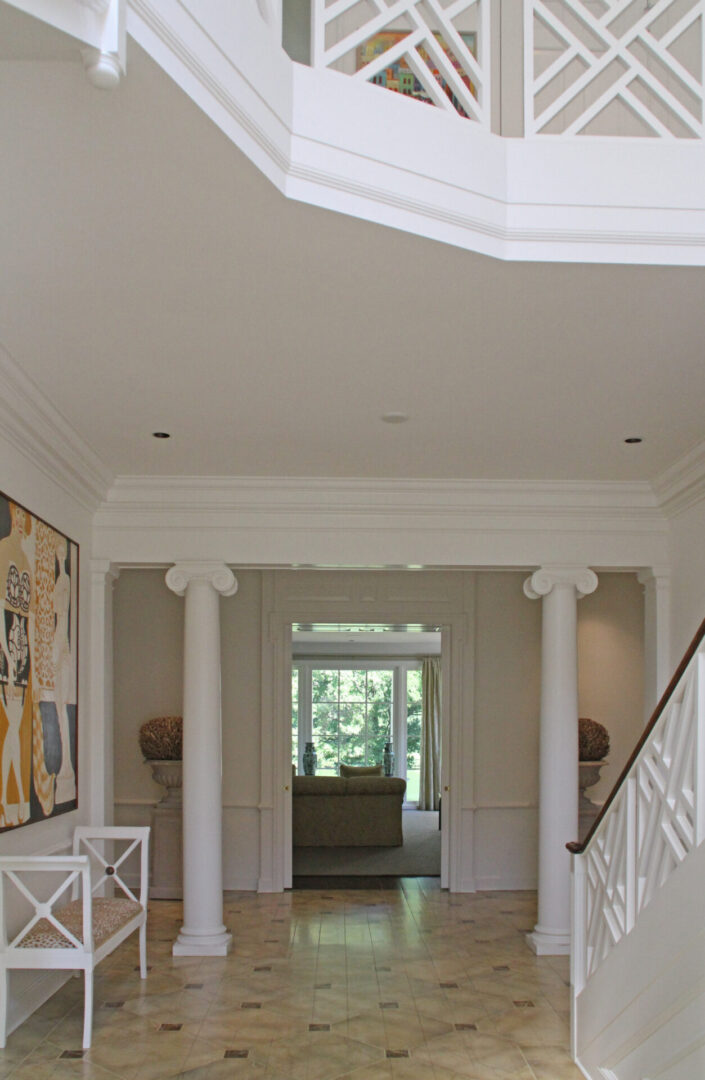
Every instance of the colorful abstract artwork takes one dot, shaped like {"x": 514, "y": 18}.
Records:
{"x": 399, "y": 77}
{"x": 38, "y": 668}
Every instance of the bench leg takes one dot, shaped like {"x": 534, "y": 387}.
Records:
{"x": 3, "y": 1007}
{"x": 87, "y": 1008}
{"x": 143, "y": 950}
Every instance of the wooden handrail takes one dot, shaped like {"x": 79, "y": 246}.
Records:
{"x": 577, "y": 848}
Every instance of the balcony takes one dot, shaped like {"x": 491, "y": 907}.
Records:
{"x": 551, "y": 130}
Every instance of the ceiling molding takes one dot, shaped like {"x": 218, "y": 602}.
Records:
{"x": 380, "y": 523}
{"x": 31, "y": 423}
{"x": 312, "y": 495}
{"x": 321, "y": 138}
{"x": 682, "y": 484}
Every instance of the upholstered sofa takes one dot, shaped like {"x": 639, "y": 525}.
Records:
{"x": 335, "y": 811}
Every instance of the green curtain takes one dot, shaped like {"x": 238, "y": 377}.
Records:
{"x": 430, "y": 783}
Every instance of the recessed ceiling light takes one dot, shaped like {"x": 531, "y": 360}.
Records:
{"x": 634, "y": 439}
{"x": 395, "y": 417}
{"x": 161, "y": 435}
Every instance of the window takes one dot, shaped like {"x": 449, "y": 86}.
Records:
{"x": 413, "y": 734}
{"x": 350, "y": 710}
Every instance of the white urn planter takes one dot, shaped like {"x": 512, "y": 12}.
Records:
{"x": 588, "y": 776}
{"x": 170, "y": 775}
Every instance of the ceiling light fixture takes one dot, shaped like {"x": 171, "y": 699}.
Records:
{"x": 161, "y": 435}
{"x": 634, "y": 439}
{"x": 395, "y": 417}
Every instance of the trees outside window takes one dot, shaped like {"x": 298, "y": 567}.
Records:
{"x": 349, "y": 711}
{"x": 413, "y": 734}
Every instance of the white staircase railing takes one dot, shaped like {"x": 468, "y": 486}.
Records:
{"x": 591, "y": 65}
{"x": 431, "y": 50}
{"x": 653, "y": 821}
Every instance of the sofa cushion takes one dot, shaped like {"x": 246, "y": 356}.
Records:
{"x": 376, "y": 785}
{"x": 318, "y": 785}
{"x": 361, "y": 770}
{"x": 353, "y": 785}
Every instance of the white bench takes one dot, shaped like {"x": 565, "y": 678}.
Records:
{"x": 73, "y": 934}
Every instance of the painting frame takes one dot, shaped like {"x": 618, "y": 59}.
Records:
{"x": 39, "y": 668}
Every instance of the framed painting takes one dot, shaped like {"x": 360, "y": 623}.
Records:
{"x": 399, "y": 77}
{"x": 38, "y": 668}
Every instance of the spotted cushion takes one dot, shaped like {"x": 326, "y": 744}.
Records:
{"x": 109, "y": 916}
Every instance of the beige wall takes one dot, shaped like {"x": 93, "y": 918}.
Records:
{"x": 148, "y": 652}
{"x": 611, "y": 670}
{"x": 22, "y": 480}
{"x": 499, "y": 701}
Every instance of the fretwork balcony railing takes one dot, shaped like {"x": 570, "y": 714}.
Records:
{"x": 590, "y": 67}
{"x": 653, "y": 820}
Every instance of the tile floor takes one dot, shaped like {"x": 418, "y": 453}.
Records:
{"x": 393, "y": 984}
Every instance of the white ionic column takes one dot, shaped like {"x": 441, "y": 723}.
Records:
{"x": 560, "y": 588}
{"x": 203, "y": 932}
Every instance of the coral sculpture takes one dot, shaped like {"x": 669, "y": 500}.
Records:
{"x": 593, "y": 740}
{"x": 161, "y": 738}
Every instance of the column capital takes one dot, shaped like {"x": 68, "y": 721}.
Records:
{"x": 658, "y": 576}
{"x": 103, "y": 568}
{"x": 542, "y": 581}
{"x": 216, "y": 574}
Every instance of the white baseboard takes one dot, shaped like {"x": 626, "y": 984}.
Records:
{"x": 32, "y": 997}
{"x": 467, "y": 884}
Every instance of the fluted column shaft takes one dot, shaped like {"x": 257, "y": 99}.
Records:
{"x": 560, "y": 589}
{"x": 203, "y": 932}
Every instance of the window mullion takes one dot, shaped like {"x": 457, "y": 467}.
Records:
{"x": 305, "y": 710}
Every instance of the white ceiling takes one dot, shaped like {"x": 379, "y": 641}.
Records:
{"x": 152, "y": 279}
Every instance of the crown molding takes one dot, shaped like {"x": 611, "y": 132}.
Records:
{"x": 150, "y": 498}
{"x": 682, "y": 485}
{"x": 277, "y": 521}
{"x": 41, "y": 434}
{"x": 322, "y": 138}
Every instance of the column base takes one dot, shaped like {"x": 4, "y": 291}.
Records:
{"x": 188, "y": 944}
{"x": 549, "y": 942}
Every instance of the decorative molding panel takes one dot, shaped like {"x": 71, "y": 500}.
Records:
{"x": 31, "y": 423}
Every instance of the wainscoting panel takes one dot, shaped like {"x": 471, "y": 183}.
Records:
{"x": 506, "y": 854}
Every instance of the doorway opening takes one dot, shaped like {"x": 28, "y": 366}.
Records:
{"x": 366, "y": 751}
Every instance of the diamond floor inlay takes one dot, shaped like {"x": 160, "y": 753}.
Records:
{"x": 392, "y": 984}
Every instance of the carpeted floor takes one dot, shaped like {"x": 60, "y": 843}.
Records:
{"x": 420, "y": 855}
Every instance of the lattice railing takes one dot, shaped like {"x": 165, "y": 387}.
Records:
{"x": 610, "y": 886}
{"x": 436, "y": 51}
{"x": 652, "y": 823}
{"x": 614, "y": 67}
